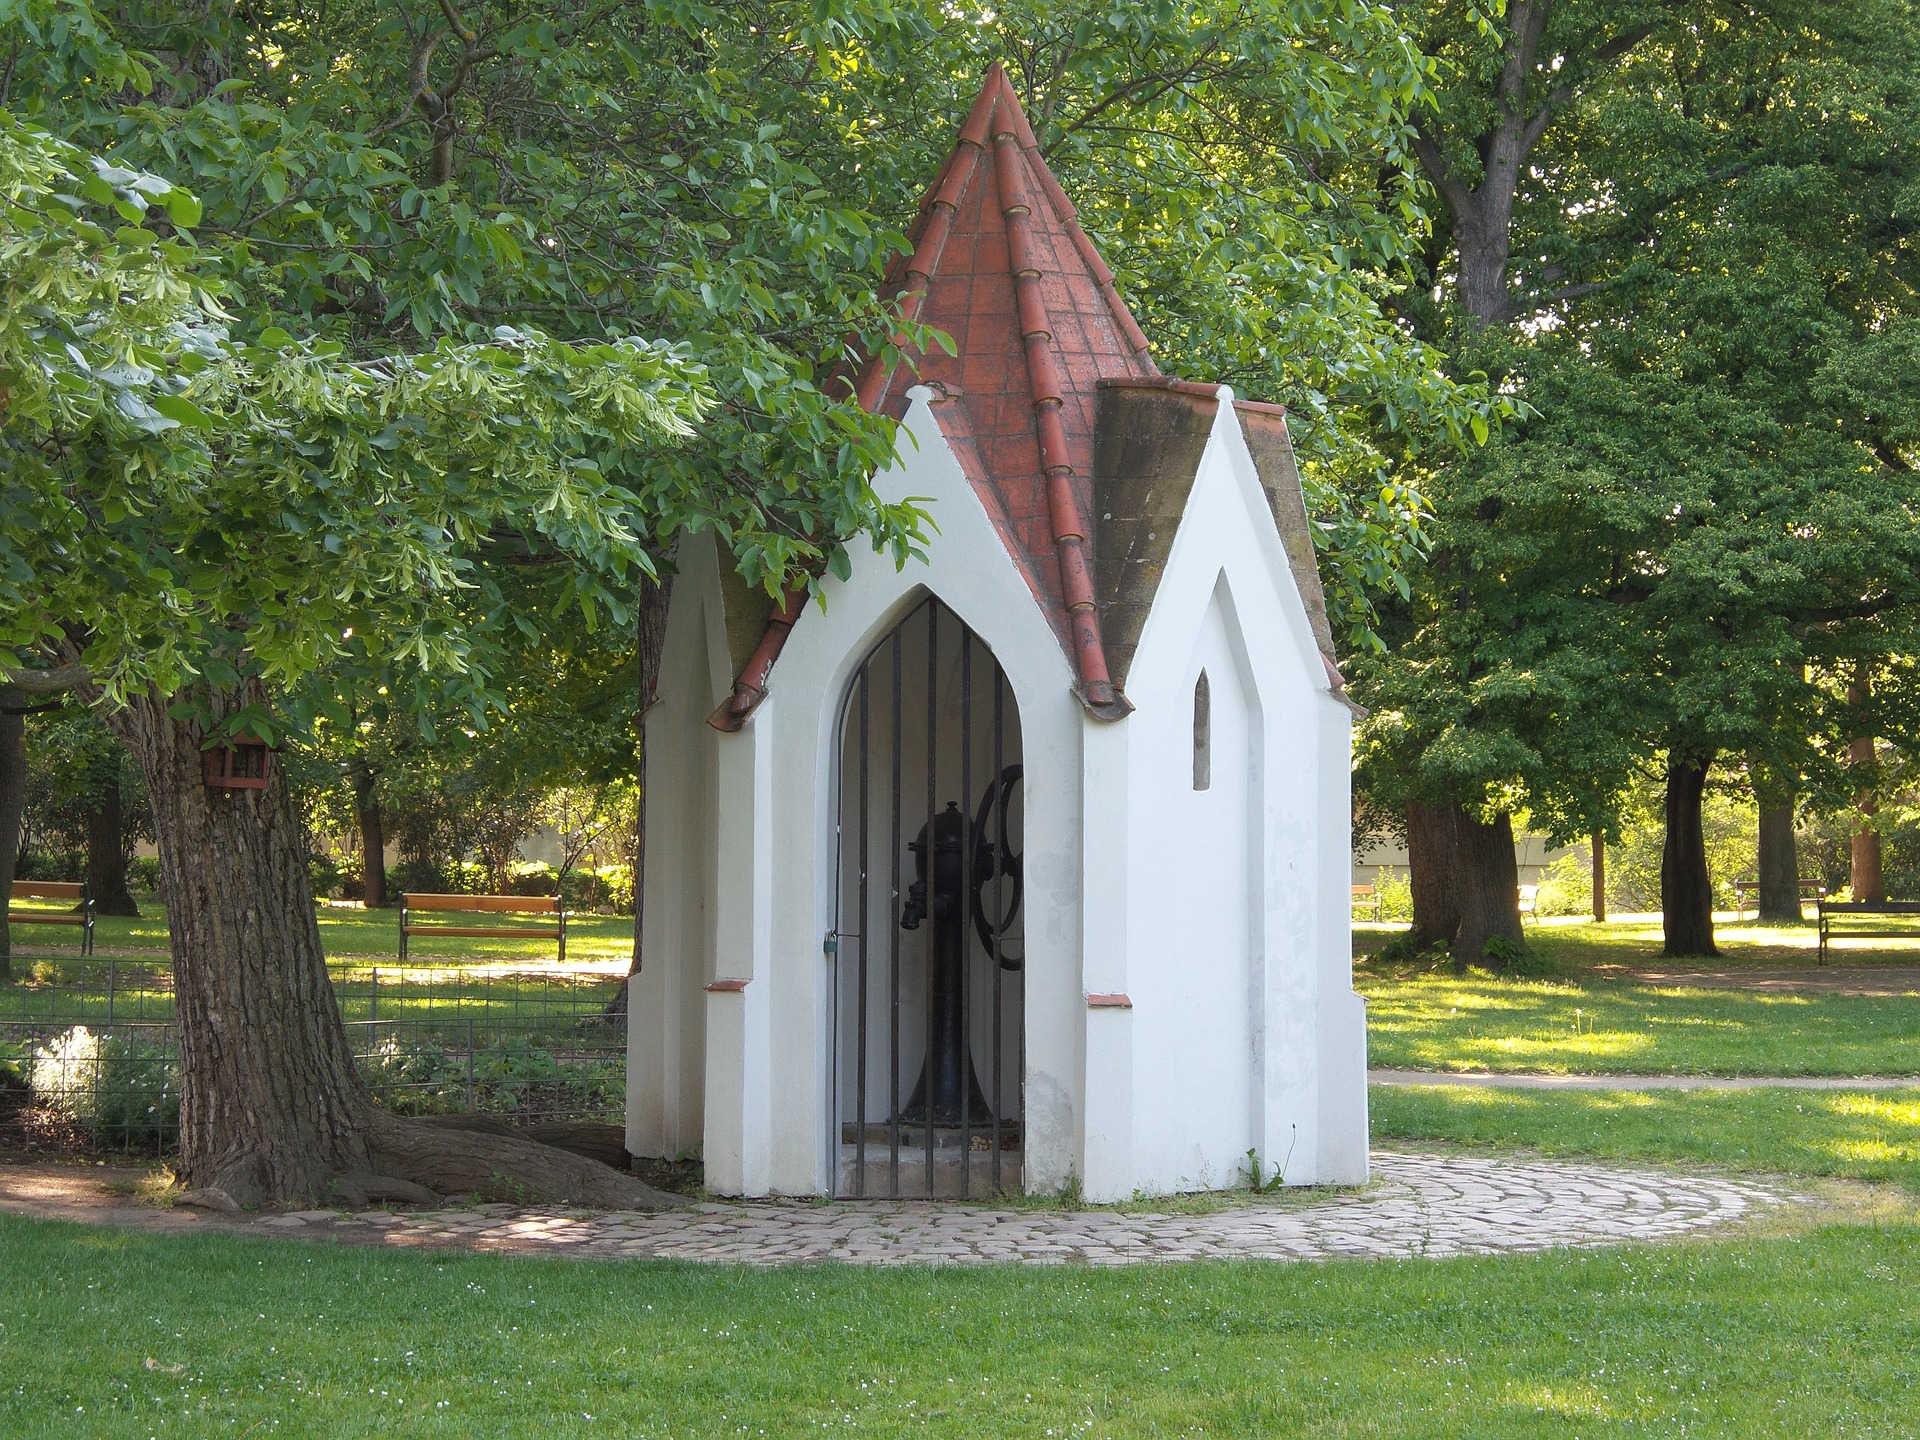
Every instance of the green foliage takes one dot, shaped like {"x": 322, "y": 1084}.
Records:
{"x": 1245, "y": 168}
{"x": 115, "y": 1091}
{"x": 1729, "y": 823}
{"x": 1704, "y": 522}
{"x": 419, "y": 1073}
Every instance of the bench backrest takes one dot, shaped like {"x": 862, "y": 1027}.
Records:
{"x": 1863, "y": 907}
{"x": 1363, "y": 892}
{"x": 517, "y": 904}
{"x": 48, "y": 890}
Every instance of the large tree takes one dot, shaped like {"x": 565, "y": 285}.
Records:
{"x": 192, "y": 521}
{"x": 1710, "y": 512}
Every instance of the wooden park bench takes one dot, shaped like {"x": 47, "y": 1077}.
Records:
{"x": 1836, "y": 912}
{"x": 71, "y": 890}
{"x": 485, "y": 905}
{"x": 1528, "y": 902}
{"x": 1366, "y": 897}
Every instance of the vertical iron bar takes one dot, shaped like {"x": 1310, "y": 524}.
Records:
{"x": 933, "y": 811}
{"x": 861, "y": 919}
{"x": 1000, "y": 849}
{"x": 111, "y": 976}
{"x": 966, "y": 917}
{"x": 373, "y": 996}
{"x": 893, "y": 931}
{"x": 470, "y": 1100}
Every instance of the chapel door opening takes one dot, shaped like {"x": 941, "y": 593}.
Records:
{"x": 928, "y": 944}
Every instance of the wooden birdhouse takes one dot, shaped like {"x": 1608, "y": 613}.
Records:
{"x": 243, "y": 765}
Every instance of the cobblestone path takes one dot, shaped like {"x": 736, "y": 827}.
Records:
{"x": 1419, "y": 1204}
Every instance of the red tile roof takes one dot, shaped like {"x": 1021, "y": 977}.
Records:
{"x": 1001, "y": 264}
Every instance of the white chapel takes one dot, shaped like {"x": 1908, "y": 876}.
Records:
{"x": 1028, "y": 865}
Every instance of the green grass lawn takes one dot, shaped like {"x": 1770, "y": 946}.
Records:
{"x": 348, "y": 933}
{"x": 112, "y": 1334}
{"x": 1858, "y": 1134}
{"x": 482, "y": 979}
{"x": 1576, "y": 943}
{"x": 1588, "y": 1025}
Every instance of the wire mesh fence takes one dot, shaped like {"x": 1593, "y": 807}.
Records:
{"x": 89, "y": 1047}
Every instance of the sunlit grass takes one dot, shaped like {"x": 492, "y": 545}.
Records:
{"x": 1856, "y": 1134}
{"x": 1575, "y": 942}
{"x": 351, "y": 933}
{"x": 1604, "y": 1026}
{"x": 115, "y": 1335}
{"x": 128, "y": 980}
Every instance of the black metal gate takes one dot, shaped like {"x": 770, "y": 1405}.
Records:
{"x": 927, "y": 944}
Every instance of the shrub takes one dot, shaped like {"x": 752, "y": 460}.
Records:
{"x": 421, "y": 1074}
{"x": 115, "y": 1090}
{"x": 38, "y": 864}
{"x": 324, "y": 875}
{"x": 143, "y": 873}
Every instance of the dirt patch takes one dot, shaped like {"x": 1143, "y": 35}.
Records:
{"x": 1883, "y": 981}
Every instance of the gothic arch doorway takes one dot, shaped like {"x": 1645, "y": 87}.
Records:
{"x": 928, "y": 944}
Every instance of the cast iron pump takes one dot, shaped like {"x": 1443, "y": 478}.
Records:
{"x": 951, "y": 856}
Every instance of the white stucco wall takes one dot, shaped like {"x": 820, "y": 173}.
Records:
{"x": 1220, "y": 914}
{"x": 766, "y": 1076}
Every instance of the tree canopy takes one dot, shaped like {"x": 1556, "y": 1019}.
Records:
{"x": 1710, "y": 513}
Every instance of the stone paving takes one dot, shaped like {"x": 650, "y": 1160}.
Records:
{"x": 1418, "y": 1205}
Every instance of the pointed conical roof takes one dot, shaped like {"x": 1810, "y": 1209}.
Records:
{"x": 1001, "y": 264}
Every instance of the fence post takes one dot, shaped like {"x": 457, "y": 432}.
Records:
{"x": 470, "y": 1065}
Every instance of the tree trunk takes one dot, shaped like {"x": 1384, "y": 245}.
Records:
{"x": 1488, "y": 878}
{"x": 1686, "y": 894}
{"x": 650, "y": 638}
{"x": 272, "y": 1109}
{"x": 106, "y": 855}
{"x": 373, "y": 841}
{"x": 1779, "y": 862}
{"x": 1868, "y": 878}
{"x": 1599, "y": 878}
{"x": 1430, "y": 854}
{"x": 13, "y": 804}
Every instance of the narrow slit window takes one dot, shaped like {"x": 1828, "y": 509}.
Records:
{"x": 1202, "y": 733}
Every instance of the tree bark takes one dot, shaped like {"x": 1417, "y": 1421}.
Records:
{"x": 1686, "y": 894}
{"x": 107, "y": 856}
{"x": 1599, "y": 878}
{"x": 650, "y": 639}
{"x": 272, "y": 1108}
{"x": 1868, "y": 877}
{"x": 13, "y": 804}
{"x": 1488, "y": 877}
{"x": 1430, "y": 853}
{"x": 373, "y": 841}
{"x": 1779, "y": 862}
